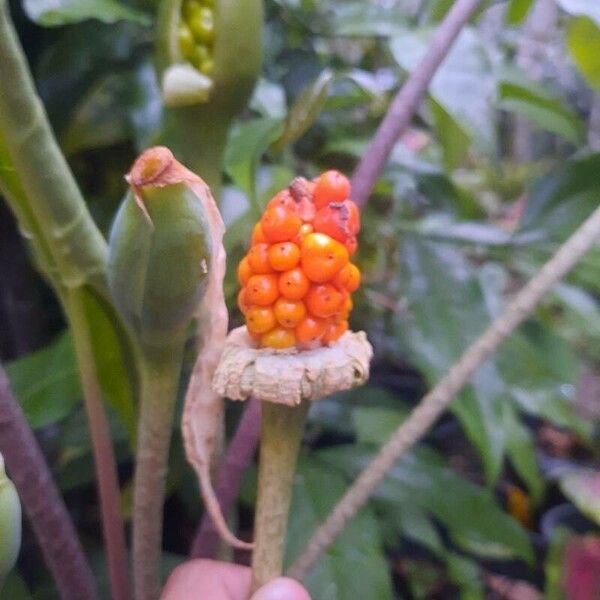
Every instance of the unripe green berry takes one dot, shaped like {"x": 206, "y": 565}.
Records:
{"x": 202, "y": 26}
{"x": 186, "y": 41}
{"x": 199, "y": 56}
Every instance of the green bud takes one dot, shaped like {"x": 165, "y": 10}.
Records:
{"x": 10, "y": 523}
{"x": 160, "y": 247}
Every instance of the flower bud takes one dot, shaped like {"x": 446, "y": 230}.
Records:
{"x": 10, "y": 523}
{"x": 160, "y": 247}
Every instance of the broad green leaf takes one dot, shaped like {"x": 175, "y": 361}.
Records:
{"x": 269, "y": 99}
{"x": 454, "y": 139}
{"x": 367, "y": 19}
{"x": 582, "y": 487}
{"x": 583, "y": 8}
{"x": 583, "y": 41}
{"x": 304, "y": 111}
{"x": 375, "y": 425}
{"x": 517, "y": 11}
{"x": 246, "y": 144}
{"x": 448, "y": 311}
{"x": 532, "y": 101}
{"x": 561, "y": 200}
{"x": 46, "y": 382}
{"x": 470, "y": 513}
{"x": 354, "y": 566}
{"x": 52, "y": 13}
{"x": 463, "y": 85}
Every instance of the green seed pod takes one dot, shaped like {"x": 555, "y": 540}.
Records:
{"x": 10, "y": 523}
{"x": 160, "y": 247}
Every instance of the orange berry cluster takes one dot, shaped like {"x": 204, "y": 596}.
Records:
{"x": 297, "y": 278}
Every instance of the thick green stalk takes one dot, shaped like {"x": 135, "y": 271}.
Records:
{"x": 161, "y": 367}
{"x": 281, "y": 433}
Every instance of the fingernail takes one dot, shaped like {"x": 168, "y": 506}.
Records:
{"x": 283, "y": 588}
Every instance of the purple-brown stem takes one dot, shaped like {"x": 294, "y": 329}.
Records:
{"x": 407, "y": 100}
{"x": 237, "y": 459}
{"x": 42, "y": 502}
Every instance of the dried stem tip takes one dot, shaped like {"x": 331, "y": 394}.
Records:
{"x": 289, "y": 376}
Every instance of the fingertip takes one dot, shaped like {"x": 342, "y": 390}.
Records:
{"x": 283, "y": 588}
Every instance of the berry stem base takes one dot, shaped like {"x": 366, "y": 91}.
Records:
{"x": 281, "y": 433}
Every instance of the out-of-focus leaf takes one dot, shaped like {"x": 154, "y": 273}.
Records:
{"x": 521, "y": 451}
{"x": 375, "y": 425}
{"x": 366, "y": 19}
{"x": 52, "y": 13}
{"x": 532, "y": 101}
{"x": 517, "y": 11}
{"x": 470, "y": 513}
{"x": 269, "y": 99}
{"x": 454, "y": 139}
{"x": 354, "y": 566}
{"x": 14, "y": 588}
{"x": 463, "y": 85}
{"x": 246, "y": 143}
{"x": 583, "y": 41}
{"x": 46, "y": 382}
{"x": 304, "y": 111}
{"x": 561, "y": 200}
{"x": 465, "y": 573}
{"x": 583, "y": 8}
{"x": 582, "y": 487}
{"x": 447, "y": 312}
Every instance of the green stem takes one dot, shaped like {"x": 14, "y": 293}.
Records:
{"x": 281, "y": 433}
{"x": 104, "y": 458}
{"x": 161, "y": 367}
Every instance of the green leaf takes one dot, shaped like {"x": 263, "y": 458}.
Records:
{"x": 582, "y": 488}
{"x": 52, "y": 13}
{"x": 560, "y": 201}
{"x": 354, "y": 566}
{"x": 304, "y": 111}
{"x": 46, "y": 382}
{"x": 14, "y": 587}
{"x": 246, "y": 144}
{"x": 463, "y": 85}
{"x": 421, "y": 479}
{"x": 454, "y": 139}
{"x": 517, "y": 11}
{"x": 367, "y": 19}
{"x": 534, "y": 102}
{"x": 583, "y": 42}
{"x": 447, "y": 311}
{"x": 583, "y": 8}
{"x": 375, "y": 425}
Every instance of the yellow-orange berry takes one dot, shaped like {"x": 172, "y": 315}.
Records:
{"x": 304, "y": 230}
{"x": 323, "y": 300}
{"x": 353, "y": 282}
{"x": 244, "y": 271}
{"x": 294, "y": 284}
{"x": 258, "y": 259}
{"x": 331, "y": 186}
{"x": 258, "y": 237}
{"x": 262, "y": 290}
{"x": 335, "y": 331}
{"x": 260, "y": 319}
{"x": 278, "y": 338}
{"x": 322, "y": 257}
{"x": 283, "y": 256}
{"x": 279, "y": 224}
{"x": 289, "y": 312}
{"x": 310, "y": 330}
{"x": 242, "y": 301}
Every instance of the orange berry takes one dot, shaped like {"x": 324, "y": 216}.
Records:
{"x": 289, "y": 312}
{"x": 310, "y": 330}
{"x": 262, "y": 289}
{"x": 351, "y": 245}
{"x": 242, "y": 301}
{"x": 258, "y": 237}
{"x": 339, "y": 220}
{"x": 341, "y": 278}
{"x": 293, "y": 284}
{"x": 347, "y": 306}
{"x": 331, "y": 186}
{"x": 278, "y": 338}
{"x": 260, "y": 319}
{"x": 279, "y": 224}
{"x": 304, "y": 230}
{"x": 322, "y": 257}
{"x": 335, "y": 331}
{"x": 244, "y": 271}
{"x": 283, "y": 198}
{"x": 284, "y": 256}
{"x": 354, "y": 280}
{"x": 258, "y": 259}
{"x": 323, "y": 300}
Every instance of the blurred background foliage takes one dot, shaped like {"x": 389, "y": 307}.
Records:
{"x": 500, "y": 165}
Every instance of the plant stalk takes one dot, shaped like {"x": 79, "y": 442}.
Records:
{"x": 104, "y": 457}
{"x": 42, "y": 503}
{"x": 161, "y": 367}
{"x": 281, "y": 433}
